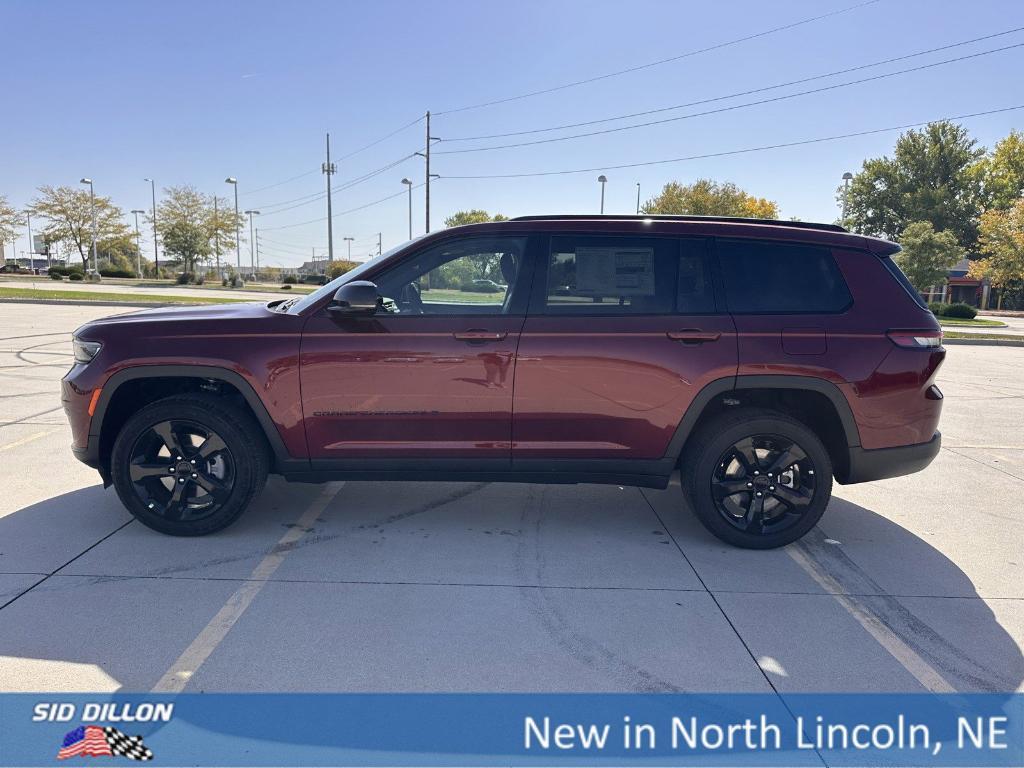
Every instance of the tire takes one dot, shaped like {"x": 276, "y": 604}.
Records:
{"x": 726, "y": 478}
{"x": 222, "y": 467}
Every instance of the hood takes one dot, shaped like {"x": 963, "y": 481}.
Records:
{"x": 209, "y": 313}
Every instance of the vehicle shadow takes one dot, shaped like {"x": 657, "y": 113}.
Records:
{"x": 123, "y": 627}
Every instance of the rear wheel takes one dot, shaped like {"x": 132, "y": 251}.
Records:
{"x": 757, "y": 478}
{"x": 189, "y": 465}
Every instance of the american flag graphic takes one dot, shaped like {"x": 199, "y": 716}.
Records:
{"x": 102, "y": 741}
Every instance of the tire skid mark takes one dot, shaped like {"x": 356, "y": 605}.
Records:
{"x": 548, "y": 613}
{"x": 870, "y": 602}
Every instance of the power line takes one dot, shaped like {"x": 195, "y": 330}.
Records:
{"x": 668, "y": 60}
{"x": 750, "y": 92}
{"x": 343, "y": 213}
{"x": 383, "y": 138}
{"x": 746, "y": 150}
{"x": 279, "y": 183}
{"x": 729, "y": 108}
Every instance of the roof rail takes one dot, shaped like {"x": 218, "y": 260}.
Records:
{"x": 673, "y": 217}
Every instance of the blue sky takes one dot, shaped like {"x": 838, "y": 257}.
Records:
{"x": 191, "y": 92}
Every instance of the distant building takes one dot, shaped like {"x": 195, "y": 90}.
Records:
{"x": 960, "y": 288}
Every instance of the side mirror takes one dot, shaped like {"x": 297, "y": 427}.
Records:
{"x": 359, "y": 297}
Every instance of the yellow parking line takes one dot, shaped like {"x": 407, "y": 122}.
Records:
{"x": 925, "y": 673}
{"x": 29, "y": 439}
{"x": 176, "y": 678}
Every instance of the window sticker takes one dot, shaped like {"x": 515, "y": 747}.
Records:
{"x": 615, "y": 271}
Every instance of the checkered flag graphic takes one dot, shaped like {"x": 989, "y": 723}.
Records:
{"x": 127, "y": 746}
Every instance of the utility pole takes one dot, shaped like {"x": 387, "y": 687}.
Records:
{"x": 638, "y": 198}
{"x": 380, "y": 250}
{"x": 425, "y": 154}
{"x": 257, "y": 249}
{"x": 238, "y": 224}
{"x": 31, "y": 245}
{"x": 216, "y": 236}
{"x": 349, "y": 241}
{"x": 156, "y": 254}
{"x": 252, "y": 246}
{"x": 329, "y": 170}
{"x": 138, "y": 241}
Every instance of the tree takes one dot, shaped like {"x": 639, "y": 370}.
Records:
{"x": 10, "y": 221}
{"x": 68, "y": 213}
{"x": 187, "y": 226}
{"x": 927, "y": 255}
{"x": 475, "y": 216}
{"x": 339, "y": 267}
{"x": 710, "y": 198}
{"x": 1003, "y": 172}
{"x": 932, "y": 176}
{"x": 1002, "y": 243}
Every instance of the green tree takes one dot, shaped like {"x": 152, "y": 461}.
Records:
{"x": 927, "y": 255}
{"x": 1003, "y": 172}
{"x": 710, "y": 198}
{"x": 119, "y": 252}
{"x": 10, "y": 221}
{"x": 339, "y": 267}
{"x": 1002, "y": 246}
{"x": 474, "y": 216}
{"x": 188, "y": 227}
{"x": 68, "y": 215}
{"x": 932, "y": 176}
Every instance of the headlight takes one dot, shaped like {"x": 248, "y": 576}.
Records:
{"x": 85, "y": 350}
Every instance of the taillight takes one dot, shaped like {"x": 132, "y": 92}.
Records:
{"x": 916, "y": 339}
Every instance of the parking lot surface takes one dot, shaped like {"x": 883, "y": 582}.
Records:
{"x": 909, "y": 584}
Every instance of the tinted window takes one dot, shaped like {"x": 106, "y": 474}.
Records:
{"x": 779, "y": 277}
{"x": 624, "y": 275}
{"x": 902, "y": 279}
{"x": 473, "y": 276}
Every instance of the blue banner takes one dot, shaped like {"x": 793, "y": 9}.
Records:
{"x": 513, "y": 729}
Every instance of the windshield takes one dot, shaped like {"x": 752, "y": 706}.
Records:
{"x": 296, "y": 306}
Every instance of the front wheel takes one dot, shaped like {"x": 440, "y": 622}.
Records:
{"x": 757, "y": 478}
{"x": 188, "y": 465}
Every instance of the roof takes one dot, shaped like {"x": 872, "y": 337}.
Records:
{"x": 687, "y": 217}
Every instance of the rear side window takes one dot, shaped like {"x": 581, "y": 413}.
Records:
{"x": 902, "y": 279}
{"x": 781, "y": 278}
{"x": 590, "y": 275}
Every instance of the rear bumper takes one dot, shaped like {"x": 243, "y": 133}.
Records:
{"x": 881, "y": 463}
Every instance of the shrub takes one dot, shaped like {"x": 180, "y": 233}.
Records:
{"x": 938, "y": 308}
{"x": 288, "y": 280}
{"x": 184, "y": 278}
{"x": 236, "y": 281}
{"x": 962, "y": 311}
{"x": 199, "y": 279}
{"x": 56, "y": 275}
{"x": 76, "y": 276}
{"x": 286, "y": 287}
{"x": 117, "y": 273}
{"x": 315, "y": 279}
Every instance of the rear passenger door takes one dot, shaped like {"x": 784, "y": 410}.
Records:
{"x": 622, "y": 332}
{"x": 790, "y": 303}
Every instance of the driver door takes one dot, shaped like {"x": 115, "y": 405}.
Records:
{"x": 430, "y": 375}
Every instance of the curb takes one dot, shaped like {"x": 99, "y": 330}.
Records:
{"x": 985, "y": 342}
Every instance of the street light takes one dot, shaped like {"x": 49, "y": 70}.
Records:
{"x": 638, "y": 198}
{"x": 252, "y": 243}
{"x": 847, "y": 177}
{"x": 156, "y": 254}
{"x": 92, "y": 205}
{"x": 238, "y": 237}
{"x": 604, "y": 180}
{"x": 408, "y": 183}
{"x": 349, "y": 241}
{"x": 138, "y": 246}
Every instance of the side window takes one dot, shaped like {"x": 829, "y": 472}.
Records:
{"x": 781, "y": 278}
{"x": 590, "y": 275}
{"x": 473, "y": 276}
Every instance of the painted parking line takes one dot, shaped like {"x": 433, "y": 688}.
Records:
{"x": 28, "y": 439}
{"x": 925, "y": 673}
{"x": 176, "y": 678}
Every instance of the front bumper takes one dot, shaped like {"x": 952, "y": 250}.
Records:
{"x": 880, "y": 463}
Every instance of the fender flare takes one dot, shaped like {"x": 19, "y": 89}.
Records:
{"x": 719, "y": 387}
{"x": 212, "y": 372}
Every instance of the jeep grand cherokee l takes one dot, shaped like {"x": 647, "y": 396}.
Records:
{"x": 760, "y": 358}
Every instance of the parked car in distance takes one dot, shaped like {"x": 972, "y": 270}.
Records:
{"x": 762, "y": 359}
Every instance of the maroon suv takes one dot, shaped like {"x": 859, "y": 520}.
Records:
{"x": 761, "y": 358}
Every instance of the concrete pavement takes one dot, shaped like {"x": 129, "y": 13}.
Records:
{"x": 909, "y": 584}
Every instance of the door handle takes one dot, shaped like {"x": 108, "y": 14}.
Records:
{"x": 477, "y": 335}
{"x": 693, "y": 336}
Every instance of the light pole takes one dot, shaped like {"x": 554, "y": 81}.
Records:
{"x": 408, "y": 183}
{"x": 138, "y": 245}
{"x": 156, "y": 254}
{"x": 604, "y": 180}
{"x": 31, "y": 245}
{"x": 92, "y": 205}
{"x": 216, "y": 236}
{"x": 349, "y": 241}
{"x": 847, "y": 177}
{"x": 638, "y": 198}
{"x": 252, "y": 243}
{"x": 238, "y": 237}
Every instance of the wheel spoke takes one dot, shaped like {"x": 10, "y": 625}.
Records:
{"x": 166, "y": 432}
{"x": 141, "y": 470}
{"x": 787, "y": 458}
{"x": 175, "y": 509}
{"x": 794, "y": 498}
{"x": 210, "y": 446}
{"x": 724, "y": 488}
{"x": 747, "y": 455}
{"x": 218, "y": 490}
{"x": 755, "y": 513}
